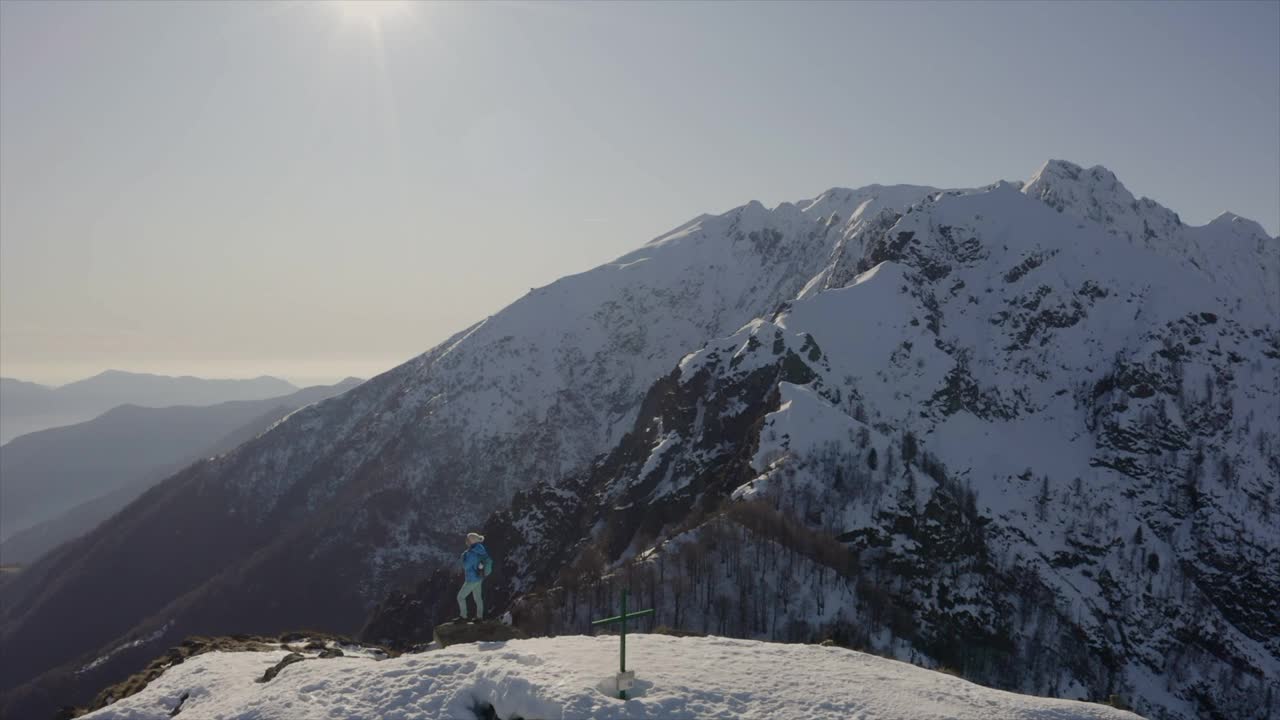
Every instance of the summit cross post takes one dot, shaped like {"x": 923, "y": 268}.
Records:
{"x": 624, "y": 678}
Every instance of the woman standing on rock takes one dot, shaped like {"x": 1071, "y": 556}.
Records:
{"x": 476, "y": 564}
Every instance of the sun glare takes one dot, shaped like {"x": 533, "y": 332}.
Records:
{"x": 374, "y": 13}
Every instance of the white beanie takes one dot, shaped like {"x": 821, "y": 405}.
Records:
{"x": 473, "y": 538}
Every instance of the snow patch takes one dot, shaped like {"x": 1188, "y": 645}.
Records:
{"x": 562, "y": 678}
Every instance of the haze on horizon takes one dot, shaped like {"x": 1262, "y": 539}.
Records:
{"x": 312, "y": 192}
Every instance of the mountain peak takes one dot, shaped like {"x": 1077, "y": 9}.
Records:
{"x": 1239, "y": 225}
{"x": 111, "y": 372}
{"x": 1097, "y": 194}
{"x": 1059, "y": 172}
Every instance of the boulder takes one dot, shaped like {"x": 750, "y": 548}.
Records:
{"x": 454, "y": 633}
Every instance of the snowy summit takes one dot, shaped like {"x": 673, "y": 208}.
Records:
{"x": 565, "y": 678}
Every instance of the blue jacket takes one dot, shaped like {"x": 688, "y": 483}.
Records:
{"x": 476, "y": 562}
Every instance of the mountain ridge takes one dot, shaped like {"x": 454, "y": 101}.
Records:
{"x": 992, "y": 515}
{"x": 75, "y": 469}
{"x": 515, "y": 406}
{"x": 27, "y": 407}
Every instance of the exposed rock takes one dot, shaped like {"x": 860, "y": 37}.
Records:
{"x": 178, "y": 708}
{"x": 455, "y": 633}
{"x": 286, "y": 661}
{"x": 193, "y": 646}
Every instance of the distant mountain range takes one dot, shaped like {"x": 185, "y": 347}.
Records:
{"x": 26, "y": 407}
{"x": 1029, "y": 432}
{"x": 56, "y": 484}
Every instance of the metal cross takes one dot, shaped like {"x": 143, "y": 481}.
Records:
{"x": 622, "y": 618}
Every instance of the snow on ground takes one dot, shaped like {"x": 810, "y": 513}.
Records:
{"x": 565, "y": 677}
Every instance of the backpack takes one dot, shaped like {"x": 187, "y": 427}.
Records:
{"x": 486, "y": 564}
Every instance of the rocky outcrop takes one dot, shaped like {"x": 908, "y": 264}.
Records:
{"x": 271, "y": 672}
{"x": 455, "y": 633}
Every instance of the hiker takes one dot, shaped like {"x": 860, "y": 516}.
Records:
{"x": 476, "y": 564}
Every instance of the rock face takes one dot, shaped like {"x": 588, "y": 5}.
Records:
{"x": 1034, "y": 426}
{"x": 455, "y": 633}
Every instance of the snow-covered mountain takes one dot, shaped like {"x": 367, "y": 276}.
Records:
{"x": 567, "y": 677}
{"x": 1230, "y": 250}
{"x": 376, "y": 485}
{"x": 1071, "y": 396}
{"x": 1050, "y": 456}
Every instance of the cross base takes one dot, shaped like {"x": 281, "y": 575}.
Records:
{"x": 625, "y": 680}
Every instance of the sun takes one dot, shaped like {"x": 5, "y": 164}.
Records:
{"x": 373, "y": 13}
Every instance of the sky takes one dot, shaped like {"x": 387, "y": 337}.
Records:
{"x": 317, "y": 190}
